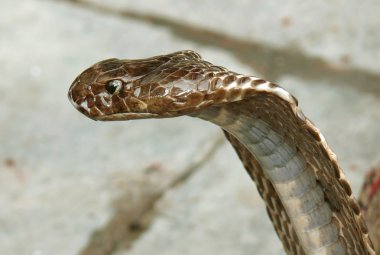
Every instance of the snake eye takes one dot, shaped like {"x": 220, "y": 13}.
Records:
{"x": 114, "y": 86}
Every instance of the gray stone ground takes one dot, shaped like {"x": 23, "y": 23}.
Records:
{"x": 69, "y": 185}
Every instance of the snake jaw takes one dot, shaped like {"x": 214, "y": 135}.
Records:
{"x": 127, "y": 116}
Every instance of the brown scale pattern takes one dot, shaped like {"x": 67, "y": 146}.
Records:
{"x": 275, "y": 209}
{"x": 345, "y": 209}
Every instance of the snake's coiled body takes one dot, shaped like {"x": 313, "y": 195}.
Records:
{"x": 308, "y": 198}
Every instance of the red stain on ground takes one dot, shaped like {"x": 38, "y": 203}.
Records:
{"x": 154, "y": 167}
{"x": 335, "y": 29}
{"x": 353, "y": 167}
{"x": 286, "y": 21}
{"x": 345, "y": 59}
{"x": 9, "y": 162}
{"x": 11, "y": 165}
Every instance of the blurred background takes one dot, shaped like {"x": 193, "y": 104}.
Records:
{"x": 69, "y": 185}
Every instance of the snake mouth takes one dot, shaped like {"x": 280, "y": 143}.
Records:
{"x": 137, "y": 115}
{"x": 126, "y": 116}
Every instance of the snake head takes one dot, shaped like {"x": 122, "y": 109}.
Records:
{"x": 162, "y": 86}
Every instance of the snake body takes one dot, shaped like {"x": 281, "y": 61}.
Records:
{"x": 370, "y": 204}
{"x": 307, "y": 196}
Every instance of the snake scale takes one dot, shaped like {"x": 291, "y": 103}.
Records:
{"x": 307, "y": 196}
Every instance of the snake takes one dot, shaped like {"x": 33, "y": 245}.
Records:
{"x": 369, "y": 200}
{"x": 307, "y": 196}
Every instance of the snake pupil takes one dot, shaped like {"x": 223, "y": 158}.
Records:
{"x": 113, "y": 86}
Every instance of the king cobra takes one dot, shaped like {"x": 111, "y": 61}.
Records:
{"x": 307, "y": 195}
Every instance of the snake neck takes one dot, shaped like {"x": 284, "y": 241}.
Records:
{"x": 298, "y": 175}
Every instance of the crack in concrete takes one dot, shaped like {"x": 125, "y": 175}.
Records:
{"x": 133, "y": 213}
{"x": 272, "y": 63}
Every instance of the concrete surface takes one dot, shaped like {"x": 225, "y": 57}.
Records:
{"x": 69, "y": 185}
